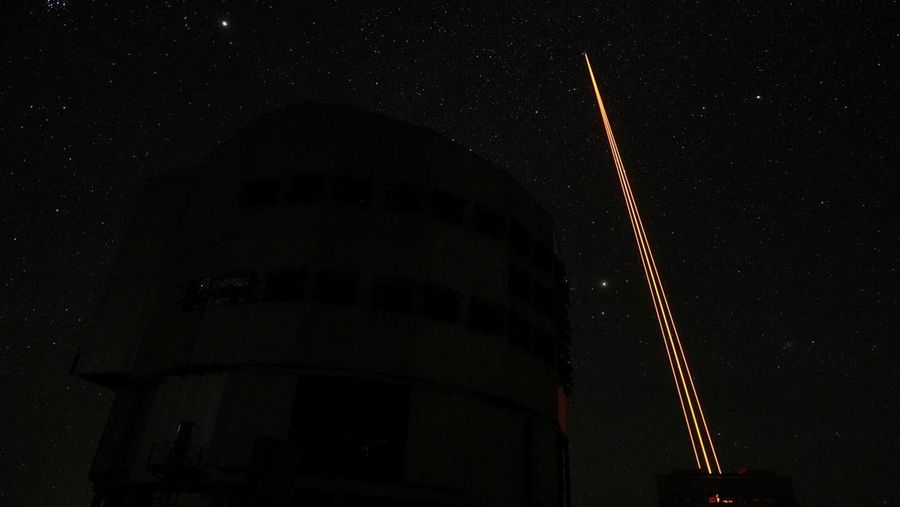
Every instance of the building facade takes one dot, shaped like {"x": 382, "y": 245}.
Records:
{"x": 334, "y": 308}
{"x": 747, "y": 488}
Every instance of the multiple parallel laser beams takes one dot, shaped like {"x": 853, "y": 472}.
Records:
{"x": 688, "y": 398}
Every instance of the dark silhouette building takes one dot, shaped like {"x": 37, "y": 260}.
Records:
{"x": 334, "y": 308}
{"x": 761, "y": 488}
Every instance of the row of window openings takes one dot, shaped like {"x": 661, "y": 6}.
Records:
{"x": 391, "y": 294}
{"x": 404, "y": 198}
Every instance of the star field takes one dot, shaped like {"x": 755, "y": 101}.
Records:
{"x": 760, "y": 142}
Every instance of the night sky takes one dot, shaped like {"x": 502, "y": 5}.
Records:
{"x": 760, "y": 139}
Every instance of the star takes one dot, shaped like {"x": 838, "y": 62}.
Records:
{"x": 224, "y": 23}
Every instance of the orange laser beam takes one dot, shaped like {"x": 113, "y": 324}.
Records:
{"x": 652, "y": 277}
{"x": 661, "y": 307}
{"x": 655, "y": 296}
{"x": 661, "y": 295}
{"x": 663, "y": 327}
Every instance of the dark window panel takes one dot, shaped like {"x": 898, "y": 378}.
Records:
{"x": 352, "y": 192}
{"x": 392, "y": 294}
{"x": 336, "y": 287}
{"x": 542, "y": 298}
{"x": 519, "y": 283}
{"x": 488, "y": 222}
{"x": 405, "y": 198}
{"x": 233, "y": 288}
{"x": 542, "y": 257}
{"x": 342, "y": 427}
{"x": 486, "y": 316}
{"x": 519, "y": 331}
{"x": 257, "y": 193}
{"x": 379, "y": 426}
{"x": 519, "y": 239}
{"x": 440, "y": 303}
{"x": 320, "y": 425}
{"x": 305, "y": 188}
{"x": 285, "y": 285}
{"x": 448, "y": 207}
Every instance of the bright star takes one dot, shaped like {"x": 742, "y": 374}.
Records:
{"x": 759, "y": 97}
{"x": 225, "y": 23}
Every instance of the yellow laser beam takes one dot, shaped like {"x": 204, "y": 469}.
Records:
{"x": 662, "y": 299}
{"x": 662, "y": 320}
{"x": 688, "y": 396}
{"x": 640, "y": 239}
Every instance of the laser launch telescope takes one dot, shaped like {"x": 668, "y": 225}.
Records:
{"x": 706, "y": 484}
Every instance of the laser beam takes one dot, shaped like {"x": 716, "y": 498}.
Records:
{"x": 688, "y": 398}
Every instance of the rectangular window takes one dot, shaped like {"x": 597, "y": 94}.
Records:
{"x": 486, "y": 316}
{"x": 336, "y": 287}
{"x": 285, "y": 285}
{"x": 403, "y": 198}
{"x": 352, "y": 192}
{"x": 392, "y": 294}
{"x": 448, "y": 206}
{"x": 488, "y": 222}
{"x": 440, "y": 303}
{"x": 305, "y": 188}
{"x": 258, "y": 193}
